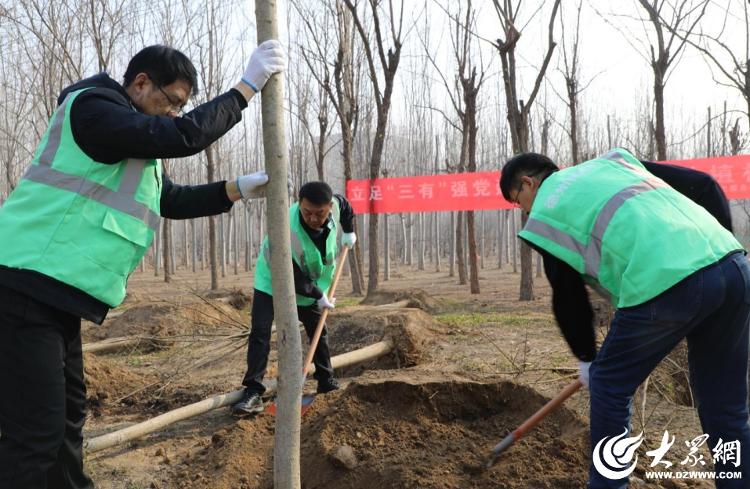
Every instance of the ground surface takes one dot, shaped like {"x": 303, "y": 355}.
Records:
{"x": 468, "y": 370}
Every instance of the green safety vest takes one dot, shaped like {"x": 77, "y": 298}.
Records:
{"x": 305, "y": 254}
{"x": 627, "y": 232}
{"x": 82, "y": 222}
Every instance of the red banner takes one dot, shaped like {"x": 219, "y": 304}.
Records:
{"x": 481, "y": 190}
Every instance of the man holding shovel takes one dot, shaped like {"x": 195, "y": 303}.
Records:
{"x": 668, "y": 265}
{"x": 314, "y": 220}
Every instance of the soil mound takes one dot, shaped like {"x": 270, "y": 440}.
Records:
{"x": 234, "y": 297}
{"x": 408, "y": 434}
{"x": 411, "y": 330}
{"x": 416, "y": 298}
{"x": 106, "y": 382}
{"x": 164, "y": 321}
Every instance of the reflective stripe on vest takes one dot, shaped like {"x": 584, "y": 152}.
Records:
{"x": 122, "y": 200}
{"x": 592, "y": 252}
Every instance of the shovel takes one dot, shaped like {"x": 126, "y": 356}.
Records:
{"x": 308, "y": 399}
{"x": 530, "y": 423}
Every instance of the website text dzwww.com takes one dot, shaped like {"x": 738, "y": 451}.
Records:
{"x": 693, "y": 475}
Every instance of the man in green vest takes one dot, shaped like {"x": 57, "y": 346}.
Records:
{"x": 671, "y": 270}
{"x": 79, "y": 222}
{"x": 314, "y": 222}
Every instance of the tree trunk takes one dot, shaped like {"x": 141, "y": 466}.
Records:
{"x": 194, "y": 250}
{"x": 452, "y": 267}
{"x": 166, "y": 247}
{"x": 212, "y": 258}
{"x": 660, "y": 132}
{"x": 460, "y": 253}
{"x": 474, "y": 285}
{"x": 436, "y": 242}
{"x": 157, "y": 251}
{"x": 387, "y": 249}
{"x": 287, "y": 436}
{"x": 514, "y": 240}
{"x": 527, "y": 279}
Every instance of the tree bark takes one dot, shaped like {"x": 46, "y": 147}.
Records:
{"x": 212, "y": 258}
{"x": 287, "y": 437}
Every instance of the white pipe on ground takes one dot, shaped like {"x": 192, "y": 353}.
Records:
{"x": 118, "y": 437}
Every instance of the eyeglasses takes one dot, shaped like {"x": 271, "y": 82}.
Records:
{"x": 175, "y": 106}
{"x": 514, "y": 201}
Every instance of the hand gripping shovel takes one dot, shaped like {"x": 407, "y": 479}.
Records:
{"x": 308, "y": 399}
{"x": 530, "y": 423}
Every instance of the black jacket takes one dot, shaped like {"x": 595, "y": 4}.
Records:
{"x": 570, "y": 301}
{"x": 108, "y": 129}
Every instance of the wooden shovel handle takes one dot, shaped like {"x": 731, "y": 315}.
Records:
{"x": 553, "y": 404}
{"x": 324, "y": 314}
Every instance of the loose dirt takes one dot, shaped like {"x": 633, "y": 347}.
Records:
{"x": 411, "y": 331}
{"x": 166, "y": 322}
{"x": 408, "y": 431}
{"x": 469, "y": 369}
{"x": 414, "y": 298}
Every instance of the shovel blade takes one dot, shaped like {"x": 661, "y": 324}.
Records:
{"x": 307, "y": 401}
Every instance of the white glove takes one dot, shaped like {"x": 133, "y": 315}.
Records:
{"x": 324, "y": 303}
{"x": 267, "y": 59}
{"x": 583, "y": 373}
{"x": 348, "y": 239}
{"x": 252, "y": 186}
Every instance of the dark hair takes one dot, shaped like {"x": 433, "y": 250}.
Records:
{"x": 524, "y": 164}
{"x": 164, "y": 65}
{"x": 318, "y": 193}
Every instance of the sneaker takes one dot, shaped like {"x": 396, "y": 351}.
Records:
{"x": 328, "y": 386}
{"x": 251, "y": 403}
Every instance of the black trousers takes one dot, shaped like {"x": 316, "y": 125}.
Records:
{"x": 42, "y": 396}
{"x": 259, "y": 342}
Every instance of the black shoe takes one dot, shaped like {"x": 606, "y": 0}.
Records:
{"x": 251, "y": 403}
{"x": 328, "y": 386}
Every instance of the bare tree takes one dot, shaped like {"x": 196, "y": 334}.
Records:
{"x": 571, "y": 75}
{"x": 388, "y": 63}
{"x": 668, "y": 48}
{"x": 732, "y": 62}
{"x": 315, "y": 50}
{"x": 466, "y": 85}
{"x": 518, "y": 110}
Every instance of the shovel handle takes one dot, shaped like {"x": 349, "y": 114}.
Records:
{"x": 553, "y": 404}
{"x": 324, "y": 315}
{"x": 534, "y": 420}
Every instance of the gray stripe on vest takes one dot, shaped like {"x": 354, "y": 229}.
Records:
{"x": 55, "y": 135}
{"x": 131, "y": 177}
{"x": 593, "y": 254}
{"x": 618, "y": 157}
{"x": 562, "y": 238}
{"x": 99, "y": 193}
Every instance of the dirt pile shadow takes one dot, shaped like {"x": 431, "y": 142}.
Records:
{"x": 160, "y": 323}
{"x": 416, "y": 298}
{"x": 411, "y": 331}
{"x": 409, "y": 433}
